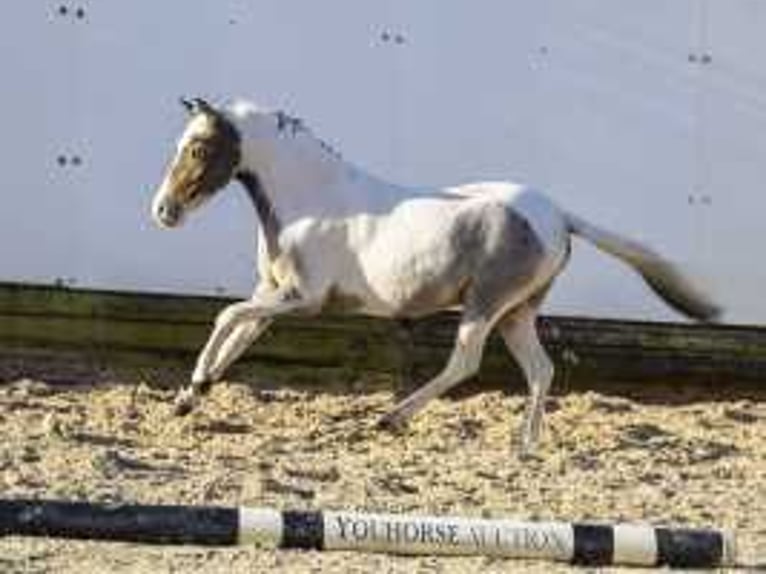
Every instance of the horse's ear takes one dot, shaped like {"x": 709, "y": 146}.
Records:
{"x": 188, "y": 105}
{"x": 203, "y": 106}
{"x": 196, "y": 106}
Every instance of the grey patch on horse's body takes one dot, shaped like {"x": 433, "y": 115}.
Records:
{"x": 508, "y": 263}
{"x": 496, "y": 253}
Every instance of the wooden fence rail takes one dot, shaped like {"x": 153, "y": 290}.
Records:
{"x": 52, "y": 328}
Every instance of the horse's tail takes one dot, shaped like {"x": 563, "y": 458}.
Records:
{"x": 663, "y": 276}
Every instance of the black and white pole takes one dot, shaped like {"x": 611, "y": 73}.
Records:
{"x": 584, "y": 544}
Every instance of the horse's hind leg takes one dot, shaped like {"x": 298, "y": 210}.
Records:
{"x": 463, "y": 363}
{"x": 497, "y": 289}
{"x": 406, "y": 342}
{"x": 520, "y": 334}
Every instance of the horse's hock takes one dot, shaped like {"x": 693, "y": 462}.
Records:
{"x": 64, "y": 334}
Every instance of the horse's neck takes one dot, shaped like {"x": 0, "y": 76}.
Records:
{"x": 270, "y": 225}
{"x": 303, "y": 183}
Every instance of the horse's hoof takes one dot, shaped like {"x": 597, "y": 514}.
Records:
{"x": 184, "y": 403}
{"x": 182, "y": 409}
{"x": 526, "y": 455}
{"x": 203, "y": 387}
{"x": 391, "y": 423}
{"x": 526, "y": 450}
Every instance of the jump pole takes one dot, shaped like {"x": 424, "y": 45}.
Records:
{"x": 582, "y": 544}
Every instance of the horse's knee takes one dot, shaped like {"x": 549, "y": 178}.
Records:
{"x": 231, "y": 315}
{"x": 468, "y": 357}
{"x": 545, "y": 373}
{"x": 473, "y": 364}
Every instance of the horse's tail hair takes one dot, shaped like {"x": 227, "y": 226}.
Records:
{"x": 663, "y": 276}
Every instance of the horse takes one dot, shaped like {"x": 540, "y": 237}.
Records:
{"x": 334, "y": 237}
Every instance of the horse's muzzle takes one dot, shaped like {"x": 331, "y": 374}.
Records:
{"x": 167, "y": 213}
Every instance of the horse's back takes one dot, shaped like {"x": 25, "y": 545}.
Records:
{"x": 420, "y": 255}
{"x": 425, "y": 254}
{"x": 546, "y": 219}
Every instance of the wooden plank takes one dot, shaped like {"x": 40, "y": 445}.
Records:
{"x": 136, "y": 328}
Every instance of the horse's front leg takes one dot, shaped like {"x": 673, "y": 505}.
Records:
{"x": 241, "y": 338}
{"x": 235, "y": 328}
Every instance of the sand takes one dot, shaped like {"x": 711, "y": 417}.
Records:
{"x": 657, "y": 454}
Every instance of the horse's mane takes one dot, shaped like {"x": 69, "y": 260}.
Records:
{"x": 286, "y": 123}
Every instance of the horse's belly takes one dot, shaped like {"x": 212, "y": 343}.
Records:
{"x": 408, "y": 301}
{"x": 483, "y": 243}
{"x": 419, "y": 280}
{"x": 425, "y": 255}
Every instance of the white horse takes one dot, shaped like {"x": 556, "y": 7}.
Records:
{"x": 332, "y": 236}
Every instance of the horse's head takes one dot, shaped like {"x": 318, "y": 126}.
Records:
{"x": 206, "y": 159}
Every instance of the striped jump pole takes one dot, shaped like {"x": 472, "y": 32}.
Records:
{"x": 582, "y": 544}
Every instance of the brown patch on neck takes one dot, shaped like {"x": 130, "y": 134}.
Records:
{"x": 265, "y": 211}
{"x": 280, "y": 269}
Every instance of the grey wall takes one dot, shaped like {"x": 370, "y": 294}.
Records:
{"x": 646, "y": 117}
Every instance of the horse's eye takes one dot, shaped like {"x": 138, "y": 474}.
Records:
{"x": 199, "y": 152}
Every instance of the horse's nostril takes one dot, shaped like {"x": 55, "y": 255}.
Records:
{"x": 166, "y": 213}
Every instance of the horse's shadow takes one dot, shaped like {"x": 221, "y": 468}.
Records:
{"x": 505, "y": 376}
{"x": 376, "y": 358}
